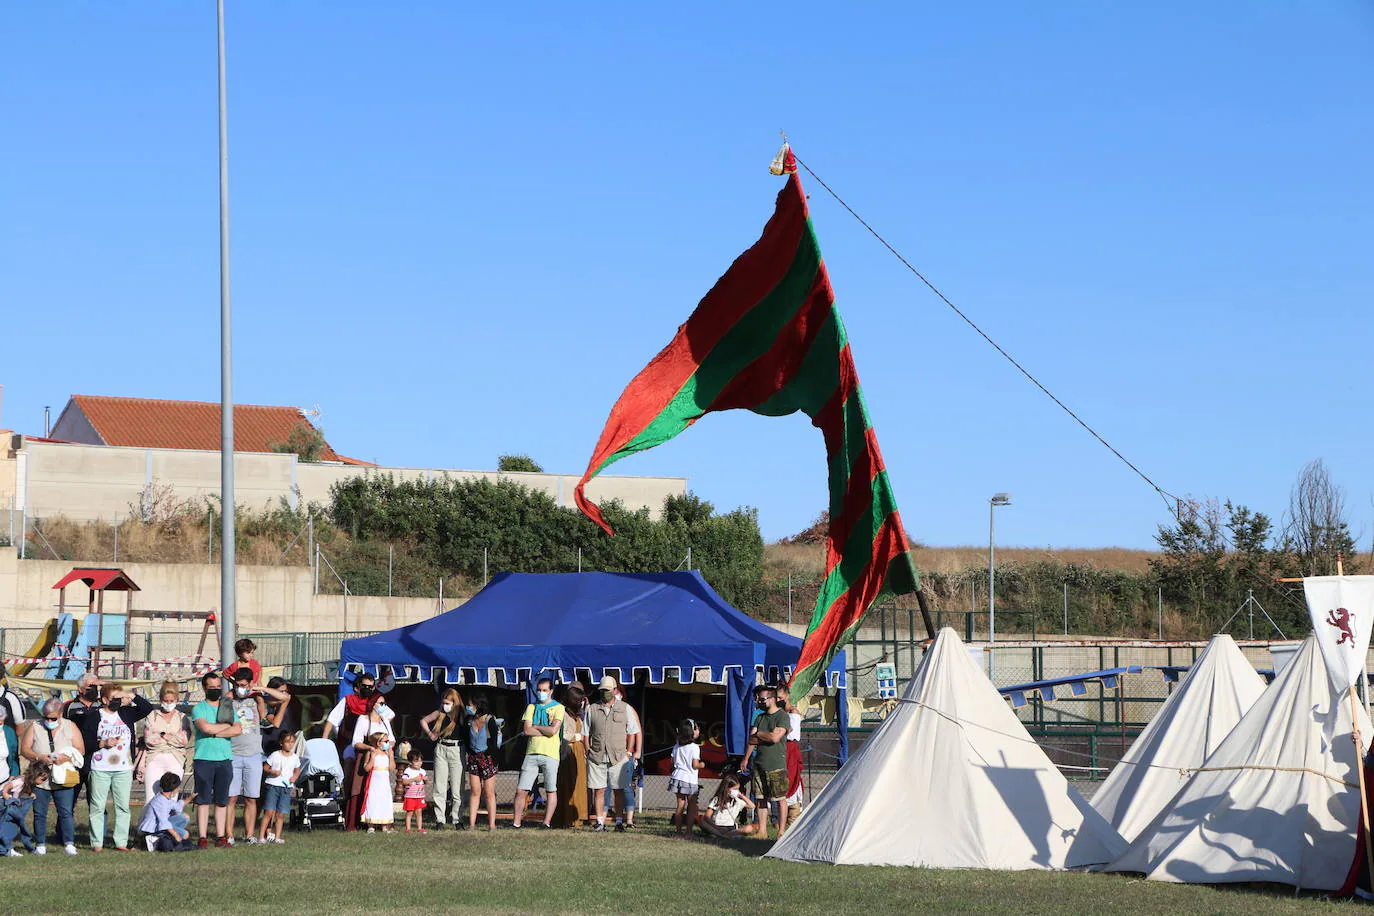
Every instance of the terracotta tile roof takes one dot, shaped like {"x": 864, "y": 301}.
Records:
{"x": 148, "y": 423}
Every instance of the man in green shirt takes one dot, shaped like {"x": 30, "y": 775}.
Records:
{"x": 768, "y": 748}
{"x": 214, "y": 756}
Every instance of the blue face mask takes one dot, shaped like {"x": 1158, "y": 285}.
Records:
{"x": 470, "y": 710}
{"x": 50, "y": 724}
{"x": 543, "y": 696}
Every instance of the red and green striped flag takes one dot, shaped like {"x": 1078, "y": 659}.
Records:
{"x": 768, "y": 338}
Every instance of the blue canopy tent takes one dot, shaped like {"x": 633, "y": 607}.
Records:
{"x": 566, "y": 625}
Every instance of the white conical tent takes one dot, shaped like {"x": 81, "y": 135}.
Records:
{"x": 1190, "y": 725}
{"x": 1277, "y": 801}
{"x": 951, "y": 779}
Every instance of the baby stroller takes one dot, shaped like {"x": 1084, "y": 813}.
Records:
{"x": 317, "y": 791}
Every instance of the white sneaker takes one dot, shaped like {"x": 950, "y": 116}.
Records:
{"x": 231, "y": 841}
{"x": 271, "y": 838}
{"x": 69, "y": 849}
{"x": 252, "y": 840}
{"x": 15, "y": 854}
{"x": 151, "y": 840}
{"x": 41, "y": 850}
{"x": 372, "y": 830}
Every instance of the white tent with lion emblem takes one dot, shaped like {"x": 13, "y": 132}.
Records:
{"x": 1277, "y": 801}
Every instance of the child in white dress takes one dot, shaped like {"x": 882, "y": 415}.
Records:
{"x": 378, "y": 806}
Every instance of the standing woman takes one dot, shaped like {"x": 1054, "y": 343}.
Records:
{"x": 572, "y": 768}
{"x": 376, "y": 719}
{"x": 9, "y": 745}
{"x": 109, "y": 733}
{"x": 57, "y": 742}
{"x": 167, "y": 737}
{"x": 482, "y": 738}
{"x": 445, "y": 727}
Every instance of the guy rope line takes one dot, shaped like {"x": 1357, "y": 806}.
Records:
{"x": 1170, "y": 499}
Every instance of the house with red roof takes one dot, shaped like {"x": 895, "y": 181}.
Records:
{"x": 153, "y": 423}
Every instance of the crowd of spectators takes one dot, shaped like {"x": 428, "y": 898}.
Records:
{"x": 240, "y": 746}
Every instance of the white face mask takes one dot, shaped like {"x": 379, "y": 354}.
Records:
{"x": 242, "y": 692}
{"x": 448, "y": 707}
{"x": 169, "y": 707}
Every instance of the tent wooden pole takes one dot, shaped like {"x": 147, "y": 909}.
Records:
{"x": 925, "y": 612}
{"x": 1359, "y": 767}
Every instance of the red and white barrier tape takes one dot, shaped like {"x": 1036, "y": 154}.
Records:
{"x": 189, "y": 660}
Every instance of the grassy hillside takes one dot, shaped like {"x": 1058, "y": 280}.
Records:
{"x": 808, "y": 559}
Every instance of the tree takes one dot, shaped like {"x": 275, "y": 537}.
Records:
{"x": 519, "y": 462}
{"x": 305, "y": 442}
{"x": 1214, "y": 556}
{"x": 1315, "y": 529}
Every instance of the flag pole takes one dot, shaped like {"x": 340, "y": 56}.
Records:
{"x": 228, "y": 626}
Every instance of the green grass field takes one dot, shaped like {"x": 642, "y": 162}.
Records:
{"x": 645, "y": 871}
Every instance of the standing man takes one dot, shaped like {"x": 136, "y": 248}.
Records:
{"x": 769, "y": 743}
{"x": 794, "y": 754}
{"x": 543, "y": 724}
{"x": 214, "y": 768}
{"x": 250, "y": 709}
{"x": 634, "y": 745}
{"x": 608, "y": 757}
{"x": 86, "y": 703}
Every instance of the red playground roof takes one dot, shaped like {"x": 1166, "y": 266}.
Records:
{"x": 100, "y": 579}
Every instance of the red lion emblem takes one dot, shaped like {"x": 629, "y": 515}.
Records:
{"x": 1344, "y": 621}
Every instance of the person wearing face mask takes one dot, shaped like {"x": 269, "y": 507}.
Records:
{"x": 543, "y": 725}
{"x": 109, "y": 735}
{"x": 55, "y": 742}
{"x": 341, "y": 718}
{"x": 214, "y": 755}
{"x": 86, "y": 702}
{"x": 250, "y": 709}
{"x": 445, "y": 727}
{"x": 609, "y": 765}
{"x": 166, "y": 740}
{"x": 376, "y": 720}
{"x": 572, "y": 766}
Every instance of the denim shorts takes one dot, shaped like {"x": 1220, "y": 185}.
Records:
{"x": 277, "y": 798}
{"x": 247, "y": 780}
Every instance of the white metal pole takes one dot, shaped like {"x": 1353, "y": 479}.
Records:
{"x": 992, "y": 582}
{"x": 1066, "y": 608}
{"x": 227, "y": 623}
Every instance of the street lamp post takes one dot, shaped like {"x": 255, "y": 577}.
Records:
{"x": 998, "y": 499}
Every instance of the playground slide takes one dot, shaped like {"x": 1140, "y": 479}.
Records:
{"x": 40, "y": 648}
{"x": 60, "y": 668}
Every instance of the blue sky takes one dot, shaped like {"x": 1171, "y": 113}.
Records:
{"x": 460, "y": 229}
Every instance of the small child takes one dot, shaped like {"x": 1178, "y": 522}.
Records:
{"x": 244, "y": 650}
{"x": 16, "y": 801}
{"x": 722, "y": 814}
{"x": 378, "y": 808}
{"x": 683, "y": 782}
{"x": 282, "y": 769}
{"x": 163, "y": 824}
{"x": 413, "y": 781}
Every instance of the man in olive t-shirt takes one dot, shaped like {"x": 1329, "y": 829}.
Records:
{"x": 770, "y": 756}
